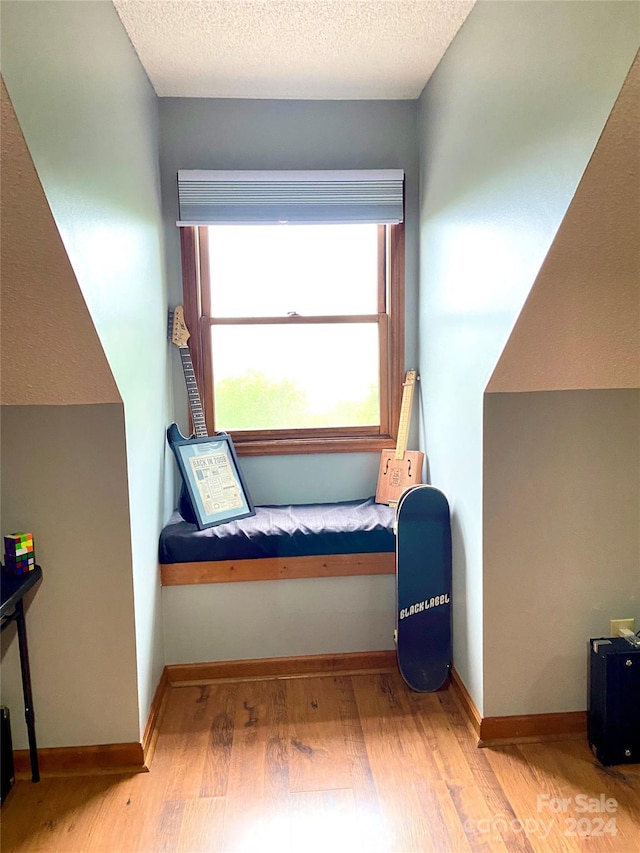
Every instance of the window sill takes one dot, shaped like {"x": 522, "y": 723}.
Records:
{"x": 290, "y": 446}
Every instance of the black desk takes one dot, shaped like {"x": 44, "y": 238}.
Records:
{"x": 14, "y": 588}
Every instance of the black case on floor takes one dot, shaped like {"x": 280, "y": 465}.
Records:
{"x": 6, "y": 753}
{"x": 613, "y": 720}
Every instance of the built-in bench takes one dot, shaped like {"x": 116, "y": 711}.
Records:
{"x": 293, "y": 541}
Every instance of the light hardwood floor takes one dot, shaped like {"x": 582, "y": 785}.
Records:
{"x": 330, "y": 764}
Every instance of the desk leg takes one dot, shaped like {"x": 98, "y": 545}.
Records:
{"x": 26, "y": 690}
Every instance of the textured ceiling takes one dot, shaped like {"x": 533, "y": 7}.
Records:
{"x": 326, "y": 49}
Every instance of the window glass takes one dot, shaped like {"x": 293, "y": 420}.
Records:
{"x": 295, "y": 376}
{"x": 275, "y": 270}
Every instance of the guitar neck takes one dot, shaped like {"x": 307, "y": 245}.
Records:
{"x": 197, "y": 413}
{"x": 405, "y": 415}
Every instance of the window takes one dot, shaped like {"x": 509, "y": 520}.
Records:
{"x": 297, "y": 332}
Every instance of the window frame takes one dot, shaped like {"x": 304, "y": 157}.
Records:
{"x": 194, "y": 249}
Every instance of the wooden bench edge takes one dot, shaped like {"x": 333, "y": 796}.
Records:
{"x": 277, "y": 568}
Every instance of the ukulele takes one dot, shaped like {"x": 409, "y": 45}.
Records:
{"x": 400, "y": 468}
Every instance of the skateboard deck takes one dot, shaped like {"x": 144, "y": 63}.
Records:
{"x": 423, "y": 588}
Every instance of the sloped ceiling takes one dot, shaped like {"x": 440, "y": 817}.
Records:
{"x": 309, "y": 49}
{"x": 580, "y": 326}
{"x": 51, "y": 354}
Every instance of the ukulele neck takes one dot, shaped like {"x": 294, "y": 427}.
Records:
{"x": 405, "y": 414}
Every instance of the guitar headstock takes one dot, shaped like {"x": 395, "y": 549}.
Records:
{"x": 178, "y": 332}
{"x": 410, "y": 378}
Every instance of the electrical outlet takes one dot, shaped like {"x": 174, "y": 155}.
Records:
{"x": 616, "y": 624}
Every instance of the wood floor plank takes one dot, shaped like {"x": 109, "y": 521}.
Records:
{"x": 445, "y": 829}
{"x": 220, "y": 720}
{"x": 523, "y": 784}
{"x": 475, "y": 791}
{"x": 484, "y": 775}
{"x": 428, "y": 743}
{"x": 547, "y": 785}
{"x": 188, "y": 724}
{"x": 448, "y": 737}
{"x": 395, "y": 759}
{"x": 323, "y": 821}
{"x": 53, "y": 815}
{"x": 362, "y": 783}
{"x": 439, "y": 731}
{"x": 163, "y": 834}
{"x": 124, "y": 812}
{"x": 394, "y": 772}
{"x": 318, "y": 755}
{"x": 202, "y": 826}
{"x": 277, "y": 759}
{"x": 258, "y": 768}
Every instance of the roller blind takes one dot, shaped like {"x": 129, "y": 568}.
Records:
{"x": 253, "y": 197}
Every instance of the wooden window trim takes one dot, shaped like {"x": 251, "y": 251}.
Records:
{"x": 390, "y": 319}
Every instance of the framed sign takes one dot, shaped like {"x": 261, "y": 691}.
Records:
{"x": 213, "y": 480}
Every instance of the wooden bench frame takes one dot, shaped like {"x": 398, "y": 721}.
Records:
{"x": 277, "y": 568}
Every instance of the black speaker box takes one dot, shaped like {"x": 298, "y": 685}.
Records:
{"x": 613, "y": 720}
{"x": 6, "y": 753}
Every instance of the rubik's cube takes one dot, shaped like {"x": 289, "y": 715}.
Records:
{"x": 19, "y": 555}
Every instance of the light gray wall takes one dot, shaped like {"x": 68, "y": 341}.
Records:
{"x": 89, "y": 116}
{"x": 310, "y": 616}
{"x": 64, "y": 479}
{"x": 561, "y": 540}
{"x": 506, "y": 127}
{"x": 562, "y": 468}
{"x": 292, "y": 617}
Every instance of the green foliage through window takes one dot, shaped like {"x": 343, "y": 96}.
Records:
{"x": 253, "y": 401}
